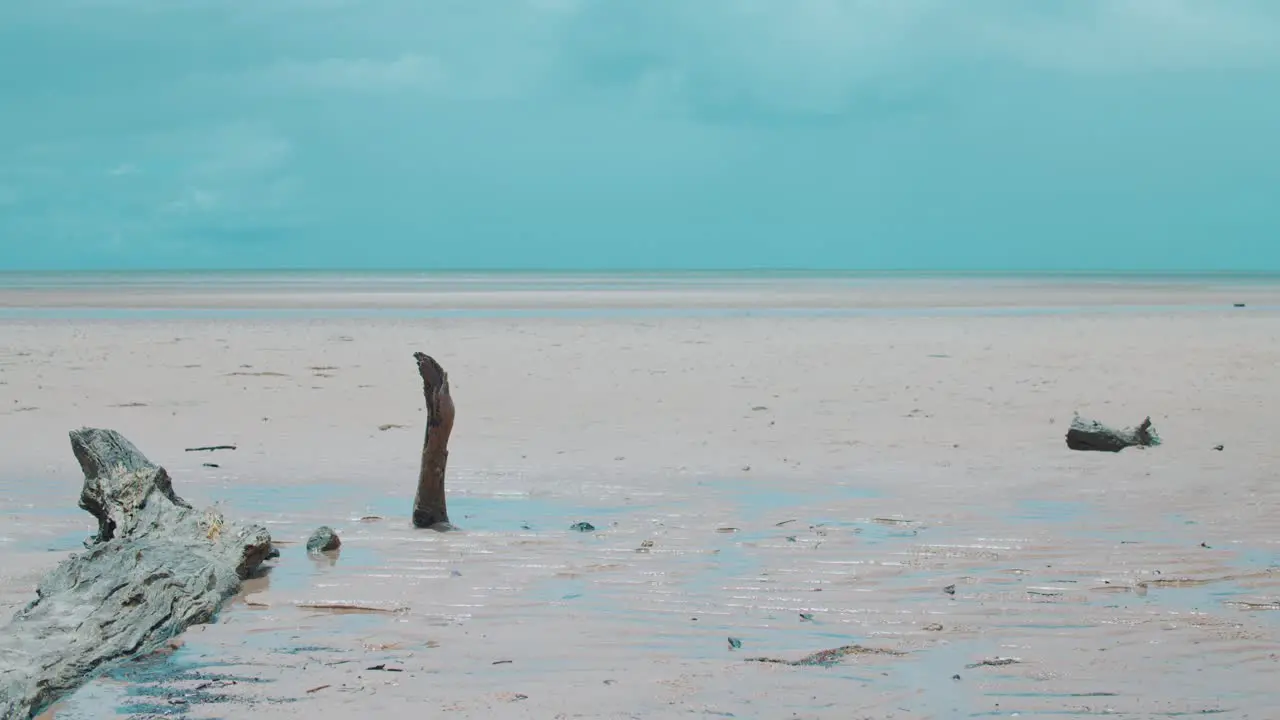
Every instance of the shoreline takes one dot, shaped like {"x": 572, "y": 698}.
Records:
{"x": 25, "y": 295}
{"x": 27, "y": 315}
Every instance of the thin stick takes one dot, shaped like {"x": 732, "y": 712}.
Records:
{"x": 429, "y": 510}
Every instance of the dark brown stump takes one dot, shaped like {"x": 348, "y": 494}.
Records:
{"x": 429, "y": 510}
{"x": 155, "y": 567}
{"x": 1091, "y": 435}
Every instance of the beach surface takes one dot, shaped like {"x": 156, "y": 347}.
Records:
{"x": 793, "y": 464}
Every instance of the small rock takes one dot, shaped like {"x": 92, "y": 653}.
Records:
{"x": 324, "y": 539}
{"x": 583, "y": 527}
{"x": 950, "y": 589}
{"x": 933, "y": 627}
{"x": 735, "y": 643}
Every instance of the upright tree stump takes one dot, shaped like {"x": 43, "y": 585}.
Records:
{"x": 155, "y": 567}
{"x": 429, "y": 508}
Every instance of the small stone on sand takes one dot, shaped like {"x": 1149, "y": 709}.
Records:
{"x": 323, "y": 539}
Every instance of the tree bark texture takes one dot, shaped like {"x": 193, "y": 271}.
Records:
{"x": 155, "y": 567}
{"x": 429, "y": 507}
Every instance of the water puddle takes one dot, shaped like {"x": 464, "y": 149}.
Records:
{"x": 167, "y": 684}
{"x": 723, "y": 571}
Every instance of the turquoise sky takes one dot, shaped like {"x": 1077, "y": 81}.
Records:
{"x": 828, "y": 134}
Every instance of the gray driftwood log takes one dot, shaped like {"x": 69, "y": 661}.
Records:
{"x": 1087, "y": 434}
{"x": 155, "y": 567}
{"x": 429, "y": 509}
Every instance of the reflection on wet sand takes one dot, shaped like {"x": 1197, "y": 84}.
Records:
{"x": 1065, "y": 612}
{"x": 759, "y": 486}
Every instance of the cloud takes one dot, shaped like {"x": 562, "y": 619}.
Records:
{"x": 1142, "y": 36}
{"x": 799, "y": 57}
{"x": 220, "y": 180}
{"x": 818, "y": 56}
{"x": 234, "y": 150}
{"x": 173, "y": 126}
{"x": 193, "y": 200}
{"x": 407, "y": 73}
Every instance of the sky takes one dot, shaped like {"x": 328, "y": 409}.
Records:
{"x": 640, "y": 134}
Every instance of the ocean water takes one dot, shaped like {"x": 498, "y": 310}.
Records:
{"x": 153, "y": 295}
{"x": 577, "y": 279}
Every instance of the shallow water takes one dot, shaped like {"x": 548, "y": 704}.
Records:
{"x": 396, "y": 313}
{"x": 785, "y": 572}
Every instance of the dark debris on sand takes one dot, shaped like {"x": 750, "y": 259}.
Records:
{"x": 1091, "y": 435}
{"x": 827, "y": 658}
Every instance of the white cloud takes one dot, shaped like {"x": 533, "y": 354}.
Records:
{"x": 558, "y": 6}
{"x": 407, "y": 73}
{"x": 811, "y": 55}
{"x": 1121, "y": 36}
{"x": 193, "y": 200}
{"x": 796, "y": 56}
{"x": 266, "y": 121}
{"x": 236, "y": 150}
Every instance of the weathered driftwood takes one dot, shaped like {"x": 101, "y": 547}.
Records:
{"x": 827, "y": 658}
{"x": 1092, "y": 435}
{"x": 429, "y": 510}
{"x": 155, "y": 567}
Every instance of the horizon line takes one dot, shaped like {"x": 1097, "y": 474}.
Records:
{"x": 653, "y": 271}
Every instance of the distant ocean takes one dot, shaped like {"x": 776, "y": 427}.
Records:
{"x": 436, "y": 280}
{"x": 459, "y": 293}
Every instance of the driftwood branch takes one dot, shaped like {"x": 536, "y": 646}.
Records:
{"x": 155, "y": 567}
{"x": 429, "y": 510}
{"x": 1093, "y": 435}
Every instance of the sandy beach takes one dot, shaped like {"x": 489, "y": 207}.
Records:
{"x": 795, "y": 464}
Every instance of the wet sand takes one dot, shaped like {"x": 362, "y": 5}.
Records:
{"x": 792, "y": 478}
